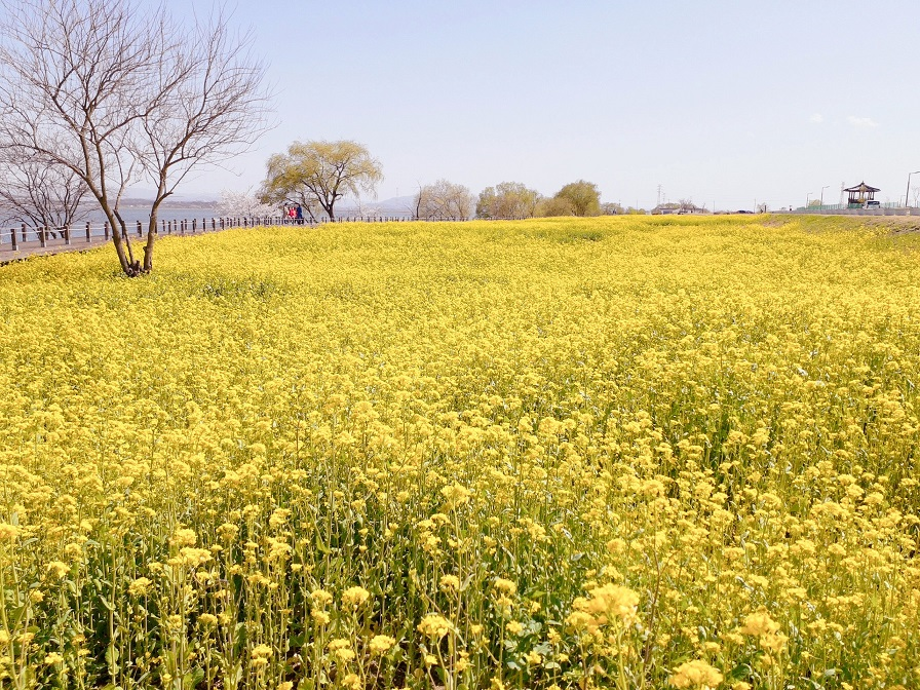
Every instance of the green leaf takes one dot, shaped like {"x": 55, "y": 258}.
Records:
{"x": 193, "y": 677}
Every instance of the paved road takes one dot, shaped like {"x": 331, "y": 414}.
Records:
{"x": 52, "y": 246}
{"x": 57, "y": 245}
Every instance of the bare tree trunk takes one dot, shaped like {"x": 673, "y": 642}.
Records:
{"x": 151, "y": 237}
{"x": 122, "y": 244}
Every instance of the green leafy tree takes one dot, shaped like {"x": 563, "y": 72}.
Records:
{"x": 554, "y": 206}
{"x": 584, "y": 198}
{"x": 320, "y": 173}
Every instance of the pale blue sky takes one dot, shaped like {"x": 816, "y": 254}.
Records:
{"x": 724, "y": 102}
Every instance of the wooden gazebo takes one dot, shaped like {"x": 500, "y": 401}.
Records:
{"x": 860, "y": 194}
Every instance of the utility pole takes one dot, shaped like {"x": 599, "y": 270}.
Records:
{"x": 659, "y": 195}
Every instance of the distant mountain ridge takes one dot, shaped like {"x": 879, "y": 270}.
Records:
{"x": 168, "y": 203}
{"x": 397, "y": 205}
{"x": 393, "y": 205}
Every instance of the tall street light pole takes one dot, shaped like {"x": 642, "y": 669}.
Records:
{"x": 822, "y": 194}
{"x": 907, "y": 195}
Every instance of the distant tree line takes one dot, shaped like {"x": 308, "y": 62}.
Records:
{"x": 316, "y": 175}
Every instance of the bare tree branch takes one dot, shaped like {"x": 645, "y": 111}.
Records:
{"x": 37, "y": 194}
{"x": 444, "y": 200}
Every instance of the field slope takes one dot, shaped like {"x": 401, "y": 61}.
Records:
{"x": 630, "y": 453}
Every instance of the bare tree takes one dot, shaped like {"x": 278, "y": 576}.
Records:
{"x": 444, "y": 199}
{"x": 36, "y": 194}
{"x": 115, "y": 94}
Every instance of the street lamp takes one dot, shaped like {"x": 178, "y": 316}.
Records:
{"x": 807, "y": 197}
{"x": 822, "y": 194}
{"x": 907, "y": 195}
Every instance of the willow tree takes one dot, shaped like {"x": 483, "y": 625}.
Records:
{"x": 320, "y": 172}
{"x": 583, "y": 198}
{"x": 117, "y": 94}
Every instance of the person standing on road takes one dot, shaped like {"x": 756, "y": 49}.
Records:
{"x": 298, "y": 214}
{"x": 291, "y": 213}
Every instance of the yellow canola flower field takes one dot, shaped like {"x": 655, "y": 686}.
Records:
{"x": 608, "y": 453}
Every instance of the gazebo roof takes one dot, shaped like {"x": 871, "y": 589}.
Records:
{"x": 862, "y": 187}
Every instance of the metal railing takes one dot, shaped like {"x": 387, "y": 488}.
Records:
{"x": 46, "y": 239}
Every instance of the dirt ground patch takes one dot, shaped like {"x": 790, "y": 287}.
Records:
{"x": 897, "y": 225}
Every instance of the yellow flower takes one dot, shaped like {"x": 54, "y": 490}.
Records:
{"x": 355, "y": 596}
{"x": 194, "y": 557}
{"x": 279, "y": 517}
{"x": 435, "y": 626}
{"x": 183, "y": 537}
{"x": 450, "y": 583}
{"x": 8, "y": 532}
{"x": 696, "y": 675}
{"x": 613, "y": 600}
{"x": 505, "y": 586}
{"x": 261, "y": 651}
{"x": 579, "y": 620}
{"x": 757, "y": 624}
{"x": 455, "y": 495}
{"x": 379, "y": 644}
{"x": 321, "y": 597}
{"x": 345, "y": 655}
{"x": 57, "y": 569}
